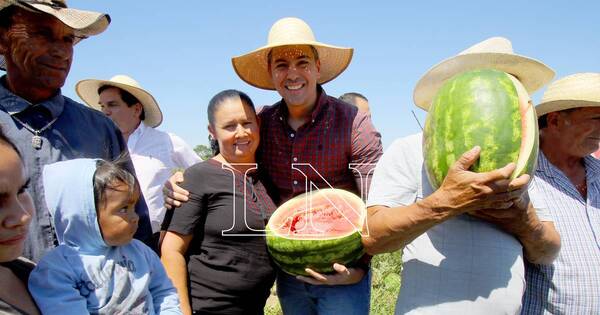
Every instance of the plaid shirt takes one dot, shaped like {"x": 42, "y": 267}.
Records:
{"x": 339, "y": 147}
{"x": 571, "y": 285}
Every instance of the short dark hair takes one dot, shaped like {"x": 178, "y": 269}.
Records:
{"x": 314, "y": 50}
{"x": 215, "y": 103}
{"x": 127, "y": 97}
{"x": 543, "y": 120}
{"x": 108, "y": 174}
{"x": 351, "y": 97}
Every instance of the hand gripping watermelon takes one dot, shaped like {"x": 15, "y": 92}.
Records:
{"x": 316, "y": 230}
{"x": 486, "y": 108}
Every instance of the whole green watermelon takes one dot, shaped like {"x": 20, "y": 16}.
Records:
{"x": 486, "y": 108}
{"x": 316, "y": 230}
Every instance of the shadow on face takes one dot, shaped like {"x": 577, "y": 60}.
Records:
{"x": 16, "y": 205}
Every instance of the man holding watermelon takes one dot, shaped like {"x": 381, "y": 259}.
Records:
{"x": 337, "y": 144}
{"x": 451, "y": 199}
{"x": 568, "y": 181}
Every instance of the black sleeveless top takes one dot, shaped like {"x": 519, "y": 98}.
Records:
{"x": 21, "y": 268}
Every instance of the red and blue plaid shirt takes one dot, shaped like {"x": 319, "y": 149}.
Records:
{"x": 339, "y": 147}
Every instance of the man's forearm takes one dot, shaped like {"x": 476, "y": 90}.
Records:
{"x": 541, "y": 244}
{"x": 390, "y": 229}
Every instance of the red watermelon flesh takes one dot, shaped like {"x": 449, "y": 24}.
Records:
{"x": 332, "y": 218}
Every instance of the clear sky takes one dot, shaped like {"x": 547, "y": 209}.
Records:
{"x": 181, "y": 50}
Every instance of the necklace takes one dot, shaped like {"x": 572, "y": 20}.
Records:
{"x": 582, "y": 188}
{"x": 36, "y": 140}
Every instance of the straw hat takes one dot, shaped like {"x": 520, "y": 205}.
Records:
{"x": 576, "y": 90}
{"x": 88, "y": 92}
{"x": 253, "y": 68}
{"x": 493, "y": 53}
{"x": 85, "y": 23}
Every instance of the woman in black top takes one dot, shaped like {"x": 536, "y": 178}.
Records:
{"x": 219, "y": 231}
{"x": 16, "y": 208}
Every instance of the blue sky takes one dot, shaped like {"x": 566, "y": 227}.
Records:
{"x": 181, "y": 50}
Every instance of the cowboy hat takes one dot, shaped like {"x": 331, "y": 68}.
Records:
{"x": 84, "y": 23}
{"x": 88, "y": 92}
{"x": 493, "y": 53}
{"x": 253, "y": 67}
{"x": 576, "y": 90}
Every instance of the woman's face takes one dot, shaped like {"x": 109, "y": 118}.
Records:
{"x": 236, "y": 130}
{"x": 16, "y": 206}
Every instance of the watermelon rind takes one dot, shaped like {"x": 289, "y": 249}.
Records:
{"x": 294, "y": 253}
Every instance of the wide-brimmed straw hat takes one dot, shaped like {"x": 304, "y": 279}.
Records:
{"x": 493, "y": 53}
{"x": 84, "y": 23}
{"x": 576, "y": 90}
{"x": 88, "y": 92}
{"x": 253, "y": 67}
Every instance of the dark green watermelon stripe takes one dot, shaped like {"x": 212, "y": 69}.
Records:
{"x": 297, "y": 267}
{"x": 316, "y": 257}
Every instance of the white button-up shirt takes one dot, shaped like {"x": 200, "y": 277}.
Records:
{"x": 155, "y": 154}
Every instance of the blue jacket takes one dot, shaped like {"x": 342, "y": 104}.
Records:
{"x": 83, "y": 274}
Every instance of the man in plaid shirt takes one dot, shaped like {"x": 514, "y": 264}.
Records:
{"x": 568, "y": 183}
{"x": 310, "y": 138}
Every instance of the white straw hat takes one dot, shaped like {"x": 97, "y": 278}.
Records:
{"x": 88, "y": 92}
{"x": 576, "y": 90}
{"x": 253, "y": 67}
{"x": 84, "y": 23}
{"x": 493, "y": 53}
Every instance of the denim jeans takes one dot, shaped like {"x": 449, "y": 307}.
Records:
{"x": 299, "y": 298}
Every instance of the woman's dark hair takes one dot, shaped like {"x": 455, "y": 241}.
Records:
{"x": 127, "y": 97}
{"x": 5, "y": 139}
{"x": 214, "y": 105}
{"x": 110, "y": 174}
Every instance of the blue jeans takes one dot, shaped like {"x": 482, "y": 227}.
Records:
{"x": 299, "y": 298}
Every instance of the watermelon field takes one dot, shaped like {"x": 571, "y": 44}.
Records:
{"x": 385, "y": 286}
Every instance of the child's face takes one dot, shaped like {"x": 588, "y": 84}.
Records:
{"x": 116, "y": 214}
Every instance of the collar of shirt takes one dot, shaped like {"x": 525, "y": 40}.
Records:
{"x": 14, "y": 104}
{"x": 592, "y": 168}
{"x": 282, "y": 111}
{"x": 136, "y": 135}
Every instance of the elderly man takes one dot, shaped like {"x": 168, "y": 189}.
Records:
{"x": 455, "y": 263}
{"x": 308, "y": 126}
{"x": 358, "y": 100}
{"x": 36, "y": 44}
{"x": 155, "y": 154}
{"x": 568, "y": 183}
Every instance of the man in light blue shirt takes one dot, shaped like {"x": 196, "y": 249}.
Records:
{"x": 36, "y": 50}
{"x": 568, "y": 183}
{"x": 456, "y": 260}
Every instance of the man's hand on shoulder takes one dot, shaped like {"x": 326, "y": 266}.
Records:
{"x": 173, "y": 194}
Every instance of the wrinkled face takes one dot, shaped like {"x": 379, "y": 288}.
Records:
{"x": 295, "y": 73}
{"x": 578, "y": 130}
{"x": 116, "y": 214}
{"x": 16, "y": 206}
{"x": 236, "y": 130}
{"x": 38, "y": 49}
{"x": 127, "y": 118}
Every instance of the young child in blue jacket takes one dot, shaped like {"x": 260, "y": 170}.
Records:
{"x": 98, "y": 268}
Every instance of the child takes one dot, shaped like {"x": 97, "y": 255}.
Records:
{"x": 98, "y": 267}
